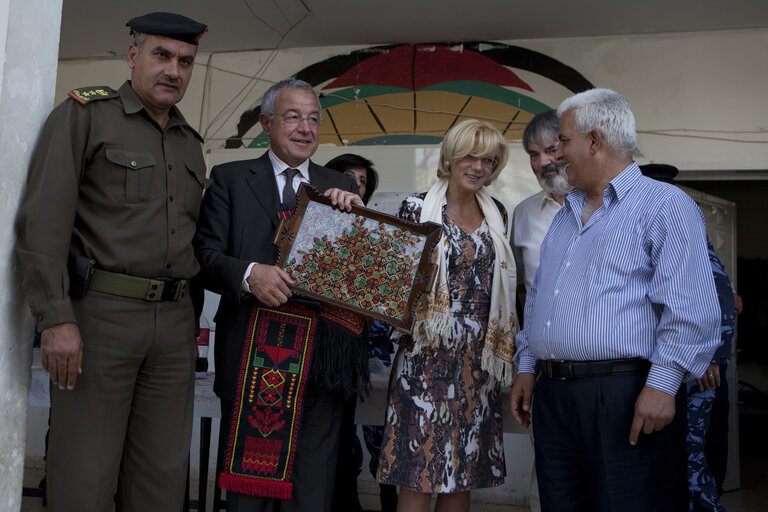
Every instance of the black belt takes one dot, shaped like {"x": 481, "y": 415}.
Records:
{"x": 568, "y": 370}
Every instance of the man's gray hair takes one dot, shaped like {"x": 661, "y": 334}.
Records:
{"x": 138, "y": 40}
{"x": 268, "y": 101}
{"x": 606, "y": 111}
{"x": 541, "y": 130}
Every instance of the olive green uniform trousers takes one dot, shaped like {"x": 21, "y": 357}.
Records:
{"x": 135, "y": 394}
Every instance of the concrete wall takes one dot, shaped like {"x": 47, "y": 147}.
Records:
{"x": 29, "y": 41}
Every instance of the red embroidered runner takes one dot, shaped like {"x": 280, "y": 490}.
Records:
{"x": 267, "y": 412}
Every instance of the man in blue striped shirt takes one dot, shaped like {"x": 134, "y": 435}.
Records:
{"x": 622, "y": 310}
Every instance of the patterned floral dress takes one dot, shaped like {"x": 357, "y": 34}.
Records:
{"x": 443, "y": 429}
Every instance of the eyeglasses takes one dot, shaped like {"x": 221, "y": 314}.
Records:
{"x": 487, "y": 162}
{"x": 293, "y": 119}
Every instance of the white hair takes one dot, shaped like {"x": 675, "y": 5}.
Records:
{"x": 270, "y": 97}
{"x": 606, "y": 111}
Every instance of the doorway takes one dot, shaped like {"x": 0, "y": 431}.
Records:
{"x": 749, "y": 273}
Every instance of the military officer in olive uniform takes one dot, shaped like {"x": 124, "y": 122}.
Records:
{"x": 115, "y": 184}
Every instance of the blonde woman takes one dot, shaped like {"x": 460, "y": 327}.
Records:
{"x": 443, "y": 432}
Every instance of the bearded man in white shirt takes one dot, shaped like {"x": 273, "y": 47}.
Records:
{"x": 532, "y": 217}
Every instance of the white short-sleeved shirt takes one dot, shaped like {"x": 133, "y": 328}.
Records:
{"x": 530, "y": 223}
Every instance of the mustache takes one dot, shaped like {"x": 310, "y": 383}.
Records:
{"x": 167, "y": 80}
{"x": 551, "y": 168}
{"x": 556, "y": 184}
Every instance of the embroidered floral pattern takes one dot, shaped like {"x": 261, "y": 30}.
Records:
{"x": 366, "y": 263}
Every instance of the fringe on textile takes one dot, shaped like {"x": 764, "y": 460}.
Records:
{"x": 252, "y": 487}
{"x": 502, "y": 371}
{"x": 340, "y": 360}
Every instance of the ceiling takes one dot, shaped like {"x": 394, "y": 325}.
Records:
{"x": 96, "y": 28}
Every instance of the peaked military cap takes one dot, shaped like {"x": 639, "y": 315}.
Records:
{"x": 170, "y": 25}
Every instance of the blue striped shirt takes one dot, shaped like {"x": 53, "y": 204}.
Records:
{"x": 635, "y": 281}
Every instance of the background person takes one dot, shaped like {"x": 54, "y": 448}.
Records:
{"x": 351, "y": 455}
{"x": 705, "y": 396}
{"x": 533, "y": 216}
{"x": 115, "y": 183}
{"x": 443, "y": 431}
{"x": 359, "y": 169}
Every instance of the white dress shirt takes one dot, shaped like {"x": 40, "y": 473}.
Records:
{"x": 530, "y": 223}
{"x": 278, "y": 166}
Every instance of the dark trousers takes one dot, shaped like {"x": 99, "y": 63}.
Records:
{"x": 127, "y": 425}
{"x": 314, "y": 468}
{"x": 716, "y": 449}
{"x": 584, "y": 460}
{"x": 350, "y": 458}
{"x": 345, "y": 497}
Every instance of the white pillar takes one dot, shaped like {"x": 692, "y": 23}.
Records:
{"x": 29, "y": 47}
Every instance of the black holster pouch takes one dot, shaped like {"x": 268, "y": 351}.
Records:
{"x": 80, "y": 275}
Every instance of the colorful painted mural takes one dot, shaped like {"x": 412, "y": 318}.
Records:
{"x": 414, "y": 93}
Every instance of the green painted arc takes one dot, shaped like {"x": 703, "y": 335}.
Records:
{"x": 491, "y": 91}
{"x": 384, "y": 140}
{"x": 476, "y": 88}
{"x": 398, "y": 140}
{"x": 358, "y": 92}
{"x": 260, "y": 141}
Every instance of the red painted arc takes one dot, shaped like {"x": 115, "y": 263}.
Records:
{"x": 417, "y": 66}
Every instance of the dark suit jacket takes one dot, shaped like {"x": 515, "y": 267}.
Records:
{"x": 237, "y": 223}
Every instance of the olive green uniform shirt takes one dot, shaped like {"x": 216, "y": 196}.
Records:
{"x": 106, "y": 182}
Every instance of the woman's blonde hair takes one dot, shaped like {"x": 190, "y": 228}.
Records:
{"x": 475, "y": 138}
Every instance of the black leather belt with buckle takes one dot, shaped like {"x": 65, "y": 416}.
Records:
{"x": 568, "y": 370}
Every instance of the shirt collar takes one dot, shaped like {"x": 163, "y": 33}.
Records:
{"x": 278, "y": 166}
{"x": 617, "y": 189}
{"x": 625, "y": 180}
{"x": 547, "y": 198}
{"x": 574, "y": 195}
{"x": 132, "y": 105}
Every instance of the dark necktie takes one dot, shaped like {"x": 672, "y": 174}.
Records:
{"x": 289, "y": 196}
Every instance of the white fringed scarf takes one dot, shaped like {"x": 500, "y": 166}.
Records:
{"x": 432, "y": 324}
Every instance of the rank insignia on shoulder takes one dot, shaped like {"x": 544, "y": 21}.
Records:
{"x": 85, "y": 95}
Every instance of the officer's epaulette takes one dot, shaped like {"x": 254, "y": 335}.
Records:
{"x": 85, "y": 95}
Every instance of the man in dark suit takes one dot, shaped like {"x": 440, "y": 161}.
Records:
{"x": 234, "y": 245}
